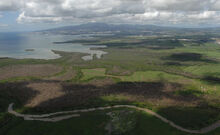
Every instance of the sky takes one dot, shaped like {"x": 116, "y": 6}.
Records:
{"x": 29, "y": 15}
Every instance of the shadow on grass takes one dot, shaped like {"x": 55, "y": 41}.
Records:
{"x": 13, "y": 93}
{"x": 172, "y": 63}
{"x": 211, "y": 79}
{"x": 184, "y": 57}
{"x": 88, "y": 95}
{"x": 191, "y": 117}
{"x": 189, "y": 92}
{"x": 160, "y": 47}
{"x": 83, "y": 95}
{"x": 18, "y": 93}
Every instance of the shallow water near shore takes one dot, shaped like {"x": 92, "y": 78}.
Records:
{"x": 40, "y": 46}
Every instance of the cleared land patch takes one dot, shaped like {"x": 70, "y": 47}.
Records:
{"x": 46, "y": 91}
{"x": 68, "y": 75}
{"x": 203, "y": 70}
{"x": 40, "y": 70}
{"x": 116, "y": 70}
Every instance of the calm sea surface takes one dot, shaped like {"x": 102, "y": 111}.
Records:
{"x": 40, "y": 46}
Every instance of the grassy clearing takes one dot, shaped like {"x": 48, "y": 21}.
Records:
{"x": 91, "y": 73}
{"x": 146, "y": 77}
{"x": 204, "y": 70}
{"x": 151, "y": 76}
{"x": 192, "y": 89}
{"x": 154, "y": 76}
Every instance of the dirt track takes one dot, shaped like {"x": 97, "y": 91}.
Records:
{"x": 44, "y": 117}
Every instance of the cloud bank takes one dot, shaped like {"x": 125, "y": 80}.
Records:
{"x": 191, "y": 12}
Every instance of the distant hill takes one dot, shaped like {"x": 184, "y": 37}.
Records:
{"x": 100, "y": 27}
{"x": 103, "y": 27}
{"x": 125, "y": 29}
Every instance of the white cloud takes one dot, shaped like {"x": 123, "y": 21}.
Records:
{"x": 179, "y": 5}
{"x": 10, "y": 5}
{"x": 115, "y": 11}
{"x": 204, "y": 15}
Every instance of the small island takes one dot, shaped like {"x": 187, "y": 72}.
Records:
{"x": 29, "y": 50}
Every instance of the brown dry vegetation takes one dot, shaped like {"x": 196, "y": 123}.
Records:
{"x": 45, "y": 96}
{"x": 70, "y": 74}
{"x": 103, "y": 82}
{"x": 46, "y": 91}
{"x": 40, "y": 70}
{"x": 116, "y": 70}
{"x": 56, "y": 95}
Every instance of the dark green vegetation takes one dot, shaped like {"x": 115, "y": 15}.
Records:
{"x": 94, "y": 124}
{"x": 176, "y": 76}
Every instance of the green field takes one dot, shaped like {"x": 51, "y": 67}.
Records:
{"x": 181, "y": 83}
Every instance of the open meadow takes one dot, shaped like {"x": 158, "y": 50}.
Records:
{"x": 179, "y": 80}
